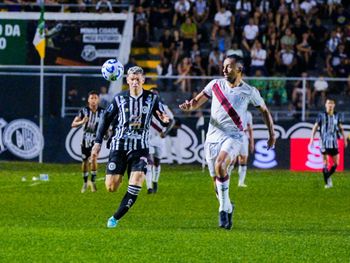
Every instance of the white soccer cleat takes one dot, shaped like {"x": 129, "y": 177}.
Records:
{"x": 242, "y": 185}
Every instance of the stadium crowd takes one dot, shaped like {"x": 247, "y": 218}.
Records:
{"x": 275, "y": 38}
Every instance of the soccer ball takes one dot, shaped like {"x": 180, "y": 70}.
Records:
{"x": 112, "y": 70}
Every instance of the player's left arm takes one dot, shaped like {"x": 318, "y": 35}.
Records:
{"x": 251, "y": 138}
{"x": 269, "y": 123}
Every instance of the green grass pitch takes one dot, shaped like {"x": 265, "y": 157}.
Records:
{"x": 281, "y": 217}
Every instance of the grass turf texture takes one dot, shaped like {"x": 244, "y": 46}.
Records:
{"x": 281, "y": 217}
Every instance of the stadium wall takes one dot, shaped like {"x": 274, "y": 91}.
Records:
{"x": 20, "y": 139}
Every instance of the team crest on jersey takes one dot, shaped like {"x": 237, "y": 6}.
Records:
{"x": 145, "y": 109}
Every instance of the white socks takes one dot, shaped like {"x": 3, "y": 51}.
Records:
{"x": 242, "y": 171}
{"x": 223, "y": 185}
{"x": 156, "y": 173}
{"x": 149, "y": 177}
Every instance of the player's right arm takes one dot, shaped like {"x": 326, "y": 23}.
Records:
{"x": 199, "y": 100}
{"x": 110, "y": 114}
{"x": 314, "y": 129}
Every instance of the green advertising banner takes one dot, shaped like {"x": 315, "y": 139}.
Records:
{"x": 13, "y": 46}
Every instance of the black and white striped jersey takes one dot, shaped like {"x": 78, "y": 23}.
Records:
{"x": 91, "y": 126}
{"x": 131, "y": 120}
{"x": 329, "y": 129}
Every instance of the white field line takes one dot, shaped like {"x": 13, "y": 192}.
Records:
{"x": 100, "y": 179}
{"x": 33, "y": 184}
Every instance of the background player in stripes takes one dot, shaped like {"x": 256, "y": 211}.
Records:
{"x": 89, "y": 117}
{"x": 330, "y": 124}
{"x": 230, "y": 99}
{"x": 157, "y": 144}
{"x": 130, "y": 113}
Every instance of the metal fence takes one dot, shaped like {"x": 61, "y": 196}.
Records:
{"x": 288, "y": 98}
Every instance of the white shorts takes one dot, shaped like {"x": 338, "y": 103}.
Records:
{"x": 244, "y": 151}
{"x": 156, "y": 151}
{"x": 212, "y": 150}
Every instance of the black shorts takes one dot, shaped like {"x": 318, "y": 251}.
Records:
{"x": 330, "y": 151}
{"x": 133, "y": 161}
{"x": 85, "y": 152}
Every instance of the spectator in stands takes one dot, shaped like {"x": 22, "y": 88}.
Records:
{"x": 141, "y": 25}
{"x": 198, "y": 70}
{"x": 215, "y": 62}
{"x": 250, "y": 33}
{"x": 234, "y": 50}
{"x": 104, "y": 6}
{"x": 161, "y": 14}
{"x": 194, "y": 52}
{"x": 286, "y": 61}
{"x": 260, "y": 84}
{"x": 333, "y": 42}
{"x": 337, "y": 62}
{"x": 165, "y": 69}
{"x": 272, "y": 46}
{"x": 167, "y": 44}
{"x": 277, "y": 89}
{"x": 304, "y": 50}
{"x": 223, "y": 41}
{"x": 184, "y": 70}
{"x": 258, "y": 57}
{"x": 282, "y": 12}
{"x": 200, "y": 12}
{"x": 182, "y": 9}
{"x": 178, "y": 44}
{"x": 105, "y": 98}
{"x": 288, "y": 40}
{"x": 319, "y": 93}
{"x": 341, "y": 17}
{"x": 319, "y": 34}
{"x": 299, "y": 29}
{"x": 188, "y": 31}
{"x": 73, "y": 98}
{"x": 223, "y": 20}
{"x": 309, "y": 8}
{"x": 243, "y": 9}
{"x": 297, "y": 96}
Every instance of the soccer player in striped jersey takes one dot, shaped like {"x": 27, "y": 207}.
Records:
{"x": 130, "y": 113}
{"x": 89, "y": 117}
{"x": 230, "y": 99}
{"x": 330, "y": 124}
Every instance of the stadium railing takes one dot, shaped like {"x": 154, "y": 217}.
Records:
{"x": 87, "y": 78}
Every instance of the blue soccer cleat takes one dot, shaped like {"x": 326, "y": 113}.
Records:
{"x": 223, "y": 219}
{"x": 112, "y": 222}
{"x": 229, "y": 215}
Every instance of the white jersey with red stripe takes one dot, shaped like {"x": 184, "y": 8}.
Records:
{"x": 229, "y": 107}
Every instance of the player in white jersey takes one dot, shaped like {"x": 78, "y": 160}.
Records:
{"x": 230, "y": 99}
{"x": 247, "y": 146}
{"x": 156, "y": 144}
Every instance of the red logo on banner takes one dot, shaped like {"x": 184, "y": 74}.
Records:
{"x": 306, "y": 158}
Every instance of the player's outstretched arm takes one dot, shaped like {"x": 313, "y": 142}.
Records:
{"x": 194, "y": 103}
{"x": 269, "y": 123}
